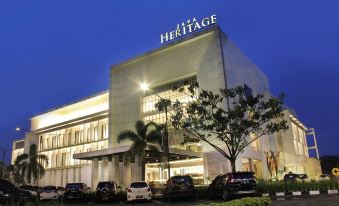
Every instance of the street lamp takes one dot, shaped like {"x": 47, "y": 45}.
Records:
{"x": 145, "y": 87}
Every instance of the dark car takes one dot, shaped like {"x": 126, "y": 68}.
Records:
{"x": 292, "y": 177}
{"x": 179, "y": 186}
{"x": 33, "y": 189}
{"x": 10, "y": 194}
{"x": 229, "y": 185}
{"x": 76, "y": 191}
{"x": 106, "y": 191}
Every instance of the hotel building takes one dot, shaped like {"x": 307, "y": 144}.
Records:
{"x": 80, "y": 139}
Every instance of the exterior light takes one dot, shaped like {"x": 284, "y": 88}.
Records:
{"x": 144, "y": 86}
{"x": 17, "y": 129}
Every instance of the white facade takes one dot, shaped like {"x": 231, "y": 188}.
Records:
{"x": 80, "y": 138}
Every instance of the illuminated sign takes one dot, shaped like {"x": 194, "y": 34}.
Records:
{"x": 335, "y": 171}
{"x": 187, "y": 27}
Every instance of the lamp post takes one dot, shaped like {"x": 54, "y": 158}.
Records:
{"x": 165, "y": 103}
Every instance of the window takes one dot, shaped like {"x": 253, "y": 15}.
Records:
{"x": 95, "y": 133}
{"x": 299, "y": 140}
{"x": 77, "y": 137}
{"x": 255, "y": 144}
{"x": 70, "y": 138}
{"x": 41, "y": 145}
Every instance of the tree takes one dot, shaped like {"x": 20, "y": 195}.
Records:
{"x": 147, "y": 137}
{"x": 31, "y": 165}
{"x": 227, "y": 120}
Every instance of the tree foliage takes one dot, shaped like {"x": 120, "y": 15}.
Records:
{"x": 29, "y": 166}
{"x": 226, "y": 120}
{"x": 146, "y": 137}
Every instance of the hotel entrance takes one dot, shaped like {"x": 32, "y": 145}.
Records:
{"x": 156, "y": 173}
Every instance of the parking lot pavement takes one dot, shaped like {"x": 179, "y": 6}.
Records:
{"x": 323, "y": 200}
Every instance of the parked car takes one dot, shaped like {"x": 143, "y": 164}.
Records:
{"x": 35, "y": 190}
{"x": 229, "y": 185}
{"x": 10, "y": 194}
{"x": 302, "y": 177}
{"x": 324, "y": 177}
{"x": 292, "y": 177}
{"x": 50, "y": 193}
{"x": 179, "y": 186}
{"x": 61, "y": 191}
{"x": 138, "y": 191}
{"x": 106, "y": 191}
{"x": 76, "y": 191}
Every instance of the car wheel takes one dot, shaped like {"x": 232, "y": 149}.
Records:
{"x": 210, "y": 195}
{"x": 226, "y": 196}
{"x": 193, "y": 197}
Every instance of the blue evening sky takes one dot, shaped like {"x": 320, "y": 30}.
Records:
{"x": 56, "y": 52}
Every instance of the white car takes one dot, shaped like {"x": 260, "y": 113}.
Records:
{"x": 50, "y": 193}
{"x": 139, "y": 191}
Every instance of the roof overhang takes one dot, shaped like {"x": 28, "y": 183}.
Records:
{"x": 174, "y": 153}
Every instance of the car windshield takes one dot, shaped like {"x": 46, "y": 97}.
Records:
{"x": 138, "y": 185}
{"x": 105, "y": 185}
{"x": 49, "y": 188}
{"x": 182, "y": 180}
{"x": 74, "y": 185}
{"x": 243, "y": 175}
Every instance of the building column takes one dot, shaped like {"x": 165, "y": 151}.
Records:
{"x": 126, "y": 170}
{"x": 95, "y": 168}
{"x": 137, "y": 176}
{"x": 104, "y": 168}
{"x": 115, "y": 169}
{"x": 110, "y": 169}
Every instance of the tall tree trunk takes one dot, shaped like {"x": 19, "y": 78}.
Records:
{"x": 233, "y": 165}
{"x": 143, "y": 167}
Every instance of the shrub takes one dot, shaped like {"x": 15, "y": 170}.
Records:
{"x": 249, "y": 201}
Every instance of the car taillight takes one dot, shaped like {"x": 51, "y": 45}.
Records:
{"x": 129, "y": 190}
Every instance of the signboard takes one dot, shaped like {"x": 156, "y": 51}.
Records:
{"x": 335, "y": 171}
{"x": 184, "y": 28}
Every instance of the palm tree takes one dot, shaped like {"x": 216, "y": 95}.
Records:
{"x": 147, "y": 137}
{"x": 31, "y": 165}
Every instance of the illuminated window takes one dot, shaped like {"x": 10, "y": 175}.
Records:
{"x": 299, "y": 140}
{"x": 255, "y": 144}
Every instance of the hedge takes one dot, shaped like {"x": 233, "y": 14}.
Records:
{"x": 281, "y": 186}
{"x": 248, "y": 201}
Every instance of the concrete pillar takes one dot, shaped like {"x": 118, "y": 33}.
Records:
{"x": 100, "y": 171}
{"x": 127, "y": 170}
{"x": 250, "y": 162}
{"x": 104, "y": 168}
{"x": 66, "y": 176}
{"x": 115, "y": 174}
{"x": 62, "y": 178}
{"x": 137, "y": 169}
{"x": 95, "y": 164}
{"x": 79, "y": 174}
{"x": 110, "y": 169}
{"x": 74, "y": 172}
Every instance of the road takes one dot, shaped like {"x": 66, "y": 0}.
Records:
{"x": 323, "y": 200}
